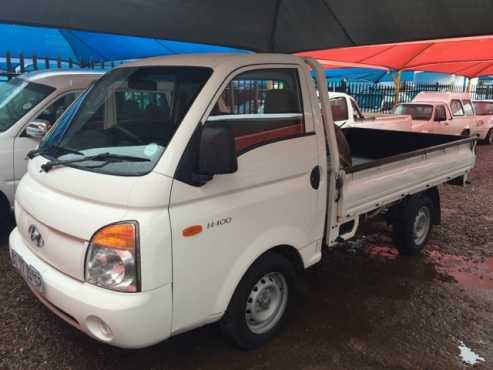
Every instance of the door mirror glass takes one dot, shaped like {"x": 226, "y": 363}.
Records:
{"x": 217, "y": 154}
{"x": 37, "y": 129}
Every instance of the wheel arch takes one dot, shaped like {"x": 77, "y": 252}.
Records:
{"x": 434, "y": 195}
{"x": 291, "y": 253}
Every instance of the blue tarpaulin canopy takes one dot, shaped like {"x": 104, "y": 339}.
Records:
{"x": 80, "y": 46}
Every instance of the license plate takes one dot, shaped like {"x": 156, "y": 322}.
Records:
{"x": 28, "y": 272}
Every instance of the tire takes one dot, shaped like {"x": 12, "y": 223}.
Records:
{"x": 488, "y": 140}
{"x": 412, "y": 227}
{"x": 269, "y": 285}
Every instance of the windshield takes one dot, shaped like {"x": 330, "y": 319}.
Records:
{"x": 483, "y": 108}
{"x": 17, "y": 97}
{"x": 420, "y": 112}
{"x": 131, "y": 112}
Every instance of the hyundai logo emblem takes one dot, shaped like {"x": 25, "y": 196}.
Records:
{"x": 36, "y": 237}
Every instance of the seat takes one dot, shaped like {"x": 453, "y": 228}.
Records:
{"x": 280, "y": 101}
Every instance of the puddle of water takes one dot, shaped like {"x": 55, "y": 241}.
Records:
{"x": 468, "y": 356}
{"x": 382, "y": 251}
{"x": 475, "y": 272}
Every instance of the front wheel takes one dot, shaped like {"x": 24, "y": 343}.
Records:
{"x": 260, "y": 303}
{"x": 412, "y": 226}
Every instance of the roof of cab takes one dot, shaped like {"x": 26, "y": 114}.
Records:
{"x": 213, "y": 60}
{"x": 429, "y": 97}
{"x": 41, "y": 75}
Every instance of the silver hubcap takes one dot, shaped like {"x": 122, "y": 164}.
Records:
{"x": 266, "y": 303}
{"x": 422, "y": 225}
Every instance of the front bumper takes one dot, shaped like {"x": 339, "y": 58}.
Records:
{"x": 128, "y": 320}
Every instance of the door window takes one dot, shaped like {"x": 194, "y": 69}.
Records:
{"x": 51, "y": 113}
{"x": 440, "y": 113}
{"x": 338, "y": 107}
{"x": 456, "y": 108}
{"x": 261, "y": 107}
{"x": 468, "y": 109}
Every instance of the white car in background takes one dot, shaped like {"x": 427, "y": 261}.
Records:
{"x": 442, "y": 113}
{"x": 484, "y": 111}
{"x": 29, "y": 105}
{"x": 347, "y": 113}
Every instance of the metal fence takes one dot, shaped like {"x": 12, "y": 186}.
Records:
{"x": 381, "y": 98}
{"x": 371, "y": 97}
{"x": 11, "y": 66}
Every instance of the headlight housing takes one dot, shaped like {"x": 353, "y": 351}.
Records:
{"x": 112, "y": 259}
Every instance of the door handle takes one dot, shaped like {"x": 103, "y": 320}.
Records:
{"x": 315, "y": 177}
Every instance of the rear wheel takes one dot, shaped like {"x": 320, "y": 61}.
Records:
{"x": 412, "y": 226}
{"x": 260, "y": 303}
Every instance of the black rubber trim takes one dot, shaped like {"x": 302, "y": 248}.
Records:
{"x": 399, "y": 157}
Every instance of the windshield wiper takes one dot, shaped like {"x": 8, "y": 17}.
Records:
{"x": 105, "y": 157}
{"x": 34, "y": 153}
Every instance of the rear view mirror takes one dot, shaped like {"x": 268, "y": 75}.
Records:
{"x": 37, "y": 129}
{"x": 217, "y": 154}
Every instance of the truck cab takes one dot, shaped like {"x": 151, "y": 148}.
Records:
{"x": 347, "y": 113}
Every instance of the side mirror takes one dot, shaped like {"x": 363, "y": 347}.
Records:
{"x": 37, "y": 129}
{"x": 217, "y": 153}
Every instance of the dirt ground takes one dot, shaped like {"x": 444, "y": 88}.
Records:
{"x": 363, "y": 307}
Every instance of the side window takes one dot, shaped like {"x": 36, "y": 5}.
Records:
{"x": 261, "y": 107}
{"x": 468, "y": 109}
{"x": 338, "y": 107}
{"x": 440, "y": 113}
{"x": 51, "y": 113}
{"x": 456, "y": 108}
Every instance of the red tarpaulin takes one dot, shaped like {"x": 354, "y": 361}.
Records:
{"x": 470, "y": 57}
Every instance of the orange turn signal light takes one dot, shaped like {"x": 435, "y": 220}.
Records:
{"x": 192, "y": 230}
{"x": 117, "y": 236}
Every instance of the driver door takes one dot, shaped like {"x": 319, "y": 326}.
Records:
{"x": 441, "y": 121}
{"x": 270, "y": 200}
{"x": 23, "y": 143}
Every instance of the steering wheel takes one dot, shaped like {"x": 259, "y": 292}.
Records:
{"x": 130, "y": 135}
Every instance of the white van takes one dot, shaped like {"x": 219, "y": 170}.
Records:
{"x": 186, "y": 190}
{"x": 29, "y": 105}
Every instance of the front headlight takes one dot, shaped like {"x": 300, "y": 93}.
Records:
{"x": 112, "y": 259}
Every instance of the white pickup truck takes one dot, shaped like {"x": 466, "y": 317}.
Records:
{"x": 29, "y": 105}
{"x": 187, "y": 190}
{"x": 442, "y": 113}
{"x": 347, "y": 113}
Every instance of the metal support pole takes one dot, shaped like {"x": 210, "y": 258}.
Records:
{"x": 397, "y": 85}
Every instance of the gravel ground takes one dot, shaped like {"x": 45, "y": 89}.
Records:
{"x": 363, "y": 307}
